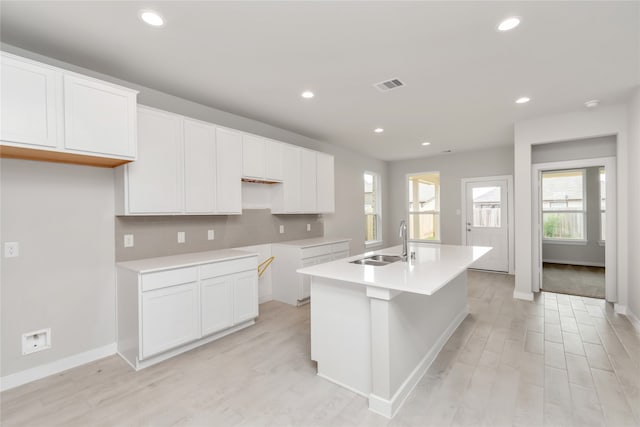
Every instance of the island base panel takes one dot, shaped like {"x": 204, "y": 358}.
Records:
{"x": 379, "y": 344}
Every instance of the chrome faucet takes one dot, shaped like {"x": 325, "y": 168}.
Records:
{"x": 403, "y": 235}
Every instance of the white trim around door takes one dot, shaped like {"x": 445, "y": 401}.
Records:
{"x": 510, "y": 212}
{"x": 610, "y": 249}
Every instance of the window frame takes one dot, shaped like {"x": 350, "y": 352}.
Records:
{"x": 378, "y": 209}
{"x": 436, "y": 212}
{"x": 562, "y": 241}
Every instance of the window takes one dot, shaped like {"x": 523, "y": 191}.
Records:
{"x": 563, "y": 205}
{"x": 372, "y": 206}
{"x": 424, "y": 206}
{"x": 486, "y": 207}
{"x": 603, "y": 199}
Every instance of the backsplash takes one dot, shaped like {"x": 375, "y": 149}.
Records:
{"x": 156, "y": 236}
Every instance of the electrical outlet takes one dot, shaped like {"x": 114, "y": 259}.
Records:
{"x": 36, "y": 341}
{"x": 11, "y": 249}
{"x": 308, "y": 227}
{"x": 210, "y": 235}
{"x": 281, "y": 229}
{"x": 181, "y": 237}
{"x": 128, "y": 240}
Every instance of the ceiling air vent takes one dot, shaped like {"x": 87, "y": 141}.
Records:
{"x": 388, "y": 85}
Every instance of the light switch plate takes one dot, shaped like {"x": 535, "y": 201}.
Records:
{"x": 181, "y": 237}
{"x": 11, "y": 249}
{"x": 308, "y": 227}
{"x": 36, "y": 341}
{"x": 210, "y": 235}
{"x": 128, "y": 240}
{"x": 281, "y": 229}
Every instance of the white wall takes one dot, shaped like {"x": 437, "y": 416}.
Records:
{"x": 452, "y": 167}
{"x": 555, "y": 129}
{"x": 58, "y": 287}
{"x": 62, "y": 217}
{"x": 634, "y": 205}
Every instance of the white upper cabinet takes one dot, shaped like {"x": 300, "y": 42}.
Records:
{"x": 154, "y": 182}
{"x": 325, "y": 184}
{"x": 229, "y": 171}
{"x": 253, "y": 156}
{"x": 261, "y": 158}
{"x": 99, "y": 118}
{"x": 30, "y": 103}
{"x": 52, "y": 114}
{"x": 184, "y": 166}
{"x": 200, "y": 156}
{"x": 273, "y": 156}
{"x": 308, "y": 181}
{"x": 286, "y": 196}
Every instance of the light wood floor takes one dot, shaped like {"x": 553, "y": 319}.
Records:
{"x": 560, "y": 360}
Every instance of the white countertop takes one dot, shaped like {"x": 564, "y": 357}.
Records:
{"x": 314, "y": 241}
{"x": 433, "y": 267}
{"x": 148, "y": 265}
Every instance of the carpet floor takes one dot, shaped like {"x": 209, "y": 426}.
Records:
{"x": 573, "y": 280}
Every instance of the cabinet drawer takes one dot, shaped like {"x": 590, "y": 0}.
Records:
{"x": 163, "y": 279}
{"x": 315, "y": 251}
{"x": 340, "y": 247}
{"x": 222, "y": 268}
{"x": 340, "y": 255}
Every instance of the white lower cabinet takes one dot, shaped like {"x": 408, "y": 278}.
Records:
{"x": 291, "y": 287}
{"x": 167, "y": 311}
{"x": 169, "y": 318}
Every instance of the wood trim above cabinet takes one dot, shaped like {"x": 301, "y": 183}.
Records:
{"x": 9, "y": 152}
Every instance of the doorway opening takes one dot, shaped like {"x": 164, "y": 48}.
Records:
{"x": 574, "y": 206}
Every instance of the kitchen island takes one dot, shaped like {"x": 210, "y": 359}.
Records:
{"x": 375, "y": 329}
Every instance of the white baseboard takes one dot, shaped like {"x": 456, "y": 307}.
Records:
{"x": 19, "y": 378}
{"x": 568, "y": 262}
{"x": 265, "y": 298}
{"x": 634, "y": 320}
{"x": 620, "y": 309}
{"x": 527, "y": 296}
{"x": 388, "y": 408}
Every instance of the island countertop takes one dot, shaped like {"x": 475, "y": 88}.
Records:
{"x": 433, "y": 267}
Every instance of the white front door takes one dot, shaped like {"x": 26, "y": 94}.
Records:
{"x": 486, "y": 222}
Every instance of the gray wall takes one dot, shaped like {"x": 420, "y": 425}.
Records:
{"x": 634, "y": 204}
{"x": 588, "y": 148}
{"x": 157, "y": 236}
{"x": 63, "y": 279}
{"x": 592, "y": 253}
{"x": 452, "y": 167}
{"x": 67, "y": 218}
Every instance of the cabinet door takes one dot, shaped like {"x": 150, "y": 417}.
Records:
{"x": 273, "y": 168}
{"x": 229, "y": 171}
{"x": 305, "y": 284}
{"x": 216, "y": 302}
{"x": 199, "y": 167}
{"x": 170, "y": 317}
{"x": 308, "y": 181}
{"x": 155, "y": 180}
{"x": 99, "y": 118}
{"x": 253, "y": 156}
{"x": 291, "y": 179}
{"x": 325, "y": 183}
{"x": 245, "y": 296}
{"x": 29, "y": 103}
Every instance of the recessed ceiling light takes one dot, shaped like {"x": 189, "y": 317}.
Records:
{"x": 592, "y": 103}
{"x": 523, "y": 100}
{"x": 152, "y": 18}
{"x": 426, "y": 143}
{"x": 307, "y": 94}
{"x": 378, "y": 130}
{"x": 509, "y": 23}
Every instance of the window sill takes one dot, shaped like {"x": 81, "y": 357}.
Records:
{"x": 425, "y": 241}
{"x": 564, "y": 242}
{"x": 373, "y": 243}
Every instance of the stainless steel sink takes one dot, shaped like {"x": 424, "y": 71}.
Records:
{"x": 377, "y": 260}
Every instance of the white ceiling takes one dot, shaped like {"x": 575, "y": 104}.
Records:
{"x": 255, "y": 58}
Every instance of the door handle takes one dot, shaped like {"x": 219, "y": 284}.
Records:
{"x": 469, "y": 223}
{"x": 468, "y": 229}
